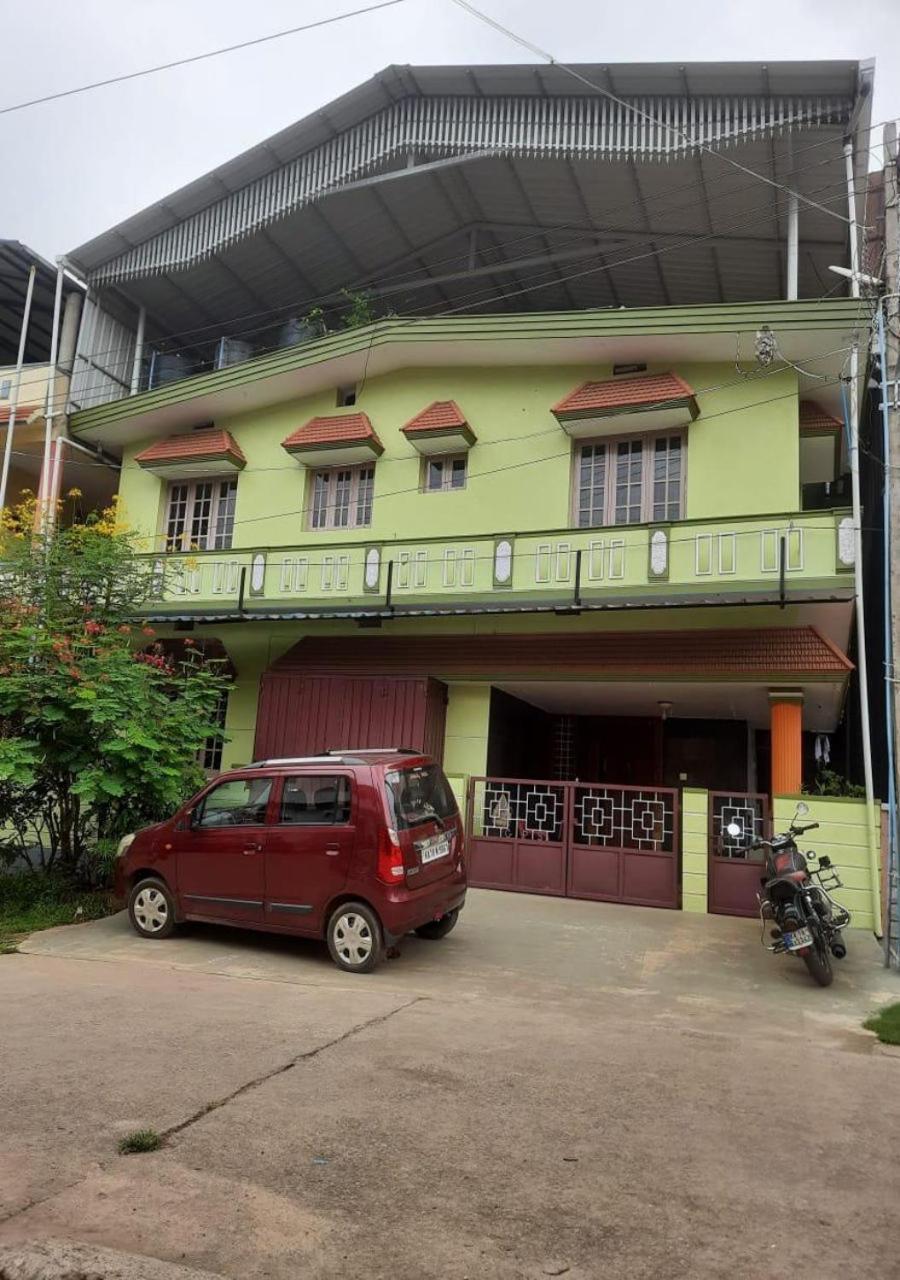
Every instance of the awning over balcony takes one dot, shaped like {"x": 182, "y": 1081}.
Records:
{"x": 638, "y": 402}
{"x": 441, "y": 428}
{"x": 333, "y": 440}
{"x": 210, "y": 451}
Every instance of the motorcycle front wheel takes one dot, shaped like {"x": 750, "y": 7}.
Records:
{"x": 818, "y": 962}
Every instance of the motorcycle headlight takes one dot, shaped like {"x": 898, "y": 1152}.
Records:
{"x": 124, "y": 845}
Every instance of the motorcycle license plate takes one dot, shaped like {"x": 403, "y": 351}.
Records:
{"x": 796, "y": 940}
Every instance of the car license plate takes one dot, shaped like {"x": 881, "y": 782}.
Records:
{"x": 799, "y": 938}
{"x": 434, "y": 847}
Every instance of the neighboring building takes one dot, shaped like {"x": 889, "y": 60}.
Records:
{"x": 608, "y": 542}
{"x": 41, "y": 391}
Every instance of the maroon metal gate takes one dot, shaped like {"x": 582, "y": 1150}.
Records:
{"x": 734, "y": 872}
{"x": 575, "y": 839}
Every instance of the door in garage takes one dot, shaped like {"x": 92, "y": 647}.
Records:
{"x": 302, "y": 715}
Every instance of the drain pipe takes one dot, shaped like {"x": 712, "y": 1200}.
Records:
{"x": 851, "y": 412}
{"x": 893, "y": 930}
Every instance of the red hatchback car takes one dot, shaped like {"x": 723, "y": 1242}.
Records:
{"x": 357, "y": 847}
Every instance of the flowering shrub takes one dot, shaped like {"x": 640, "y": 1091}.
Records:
{"x": 99, "y": 733}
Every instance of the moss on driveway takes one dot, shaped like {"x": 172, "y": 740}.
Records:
{"x": 32, "y": 902}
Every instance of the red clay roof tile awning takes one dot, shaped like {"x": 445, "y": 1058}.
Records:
{"x": 815, "y": 421}
{"x": 210, "y": 450}
{"x": 764, "y": 654}
{"x": 346, "y": 437}
{"x": 440, "y": 427}
{"x": 24, "y": 413}
{"x": 640, "y": 402}
{"x": 639, "y": 391}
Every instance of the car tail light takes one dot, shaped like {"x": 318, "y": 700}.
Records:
{"x": 390, "y": 866}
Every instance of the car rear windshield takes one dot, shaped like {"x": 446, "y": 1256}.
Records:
{"x": 418, "y": 795}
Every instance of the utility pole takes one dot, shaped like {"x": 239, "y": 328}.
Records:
{"x": 890, "y": 388}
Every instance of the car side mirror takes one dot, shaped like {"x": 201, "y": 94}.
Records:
{"x": 802, "y": 809}
{"x": 193, "y": 818}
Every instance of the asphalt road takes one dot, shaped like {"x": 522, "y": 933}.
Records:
{"x": 558, "y": 1088}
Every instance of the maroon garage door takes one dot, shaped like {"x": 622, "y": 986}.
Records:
{"x": 305, "y": 714}
{"x": 583, "y": 840}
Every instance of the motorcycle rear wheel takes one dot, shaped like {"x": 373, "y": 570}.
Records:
{"x": 818, "y": 962}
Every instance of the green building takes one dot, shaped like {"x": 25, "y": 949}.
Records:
{"x": 574, "y": 519}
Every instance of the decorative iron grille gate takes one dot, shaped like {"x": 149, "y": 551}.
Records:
{"x": 584, "y": 840}
{"x": 735, "y": 871}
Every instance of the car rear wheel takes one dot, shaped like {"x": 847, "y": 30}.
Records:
{"x": 151, "y": 908}
{"x": 355, "y": 940}
{"x": 436, "y": 929}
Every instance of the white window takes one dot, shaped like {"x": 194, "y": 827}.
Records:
{"x": 200, "y": 515}
{"x": 341, "y": 498}
{"x": 632, "y": 481}
{"x": 445, "y": 473}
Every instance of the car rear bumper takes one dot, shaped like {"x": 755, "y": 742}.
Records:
{"x": 405, "y": 911}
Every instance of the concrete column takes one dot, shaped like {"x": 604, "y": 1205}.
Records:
{"x": 695, "y": 850}
{"x": 466, "y": 734}
{"x": 786, "y": 722}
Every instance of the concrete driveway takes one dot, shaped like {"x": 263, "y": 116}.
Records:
{"x": 558, "y": 1088}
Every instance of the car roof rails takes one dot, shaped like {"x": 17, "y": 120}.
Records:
{"x": 374, "y": 751}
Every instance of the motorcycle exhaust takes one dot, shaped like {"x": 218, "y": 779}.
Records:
{"x": 838, "y": 947}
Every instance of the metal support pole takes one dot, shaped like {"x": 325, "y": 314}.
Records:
{"x": 138, "y": 352}
{"x": 852, "y": 412}
{"x": 782, "y": 564}
{"x": 14, "y": 400}
{"x": 793, "y": 247}
{"x": 50, "y": 406}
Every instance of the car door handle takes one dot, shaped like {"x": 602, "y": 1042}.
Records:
{"x": 332, "y": 853}
{"x": 251, "y": 849}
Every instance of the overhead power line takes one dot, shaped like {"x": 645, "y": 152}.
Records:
{"x": 199, "y": 57}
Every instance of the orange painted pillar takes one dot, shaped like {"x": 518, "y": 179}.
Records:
{"x": 786, "y": 725}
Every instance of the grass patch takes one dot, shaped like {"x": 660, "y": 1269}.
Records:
{"x": 886, "y": 1024}
{"x": 29, "y": 902}
{"x": 140, "y": 1140}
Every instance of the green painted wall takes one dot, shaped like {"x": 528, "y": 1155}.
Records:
{"x": 694, "y": 850}
{"x": 843, "y": 834}
{"x": 742, "y": 459}
{"x": 466, "y": 734}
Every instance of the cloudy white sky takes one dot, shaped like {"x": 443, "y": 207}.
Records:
{"x": 75, "y": 167}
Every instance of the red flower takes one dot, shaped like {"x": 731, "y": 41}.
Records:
{"x": 124, "y": 630}
{"x": 148, "y": 631}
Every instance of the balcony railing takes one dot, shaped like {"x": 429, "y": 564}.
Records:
{"x": 558, "y": 568}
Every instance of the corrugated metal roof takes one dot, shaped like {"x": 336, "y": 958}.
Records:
{"x": 527, "y": 190}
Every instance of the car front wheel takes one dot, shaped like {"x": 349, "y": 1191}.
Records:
{"x": 151, "y": 908}
{"x": 355, "y": 940}
{"x": 436, "y": 929}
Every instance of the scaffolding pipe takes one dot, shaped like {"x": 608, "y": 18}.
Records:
{"x": 138, "y": 351}
{"x": 851, "y": 411}
{"x": 793, "y": 248}
{"x": 14, "y": 400}
{"x": 50, "y": 404}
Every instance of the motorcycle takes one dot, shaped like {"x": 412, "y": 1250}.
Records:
{"x": 797, "y": 898}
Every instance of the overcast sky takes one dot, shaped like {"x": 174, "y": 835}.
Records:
{"x": 76, "y": 167}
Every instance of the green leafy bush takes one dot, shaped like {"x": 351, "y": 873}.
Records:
{"x": 100, "y": 726}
